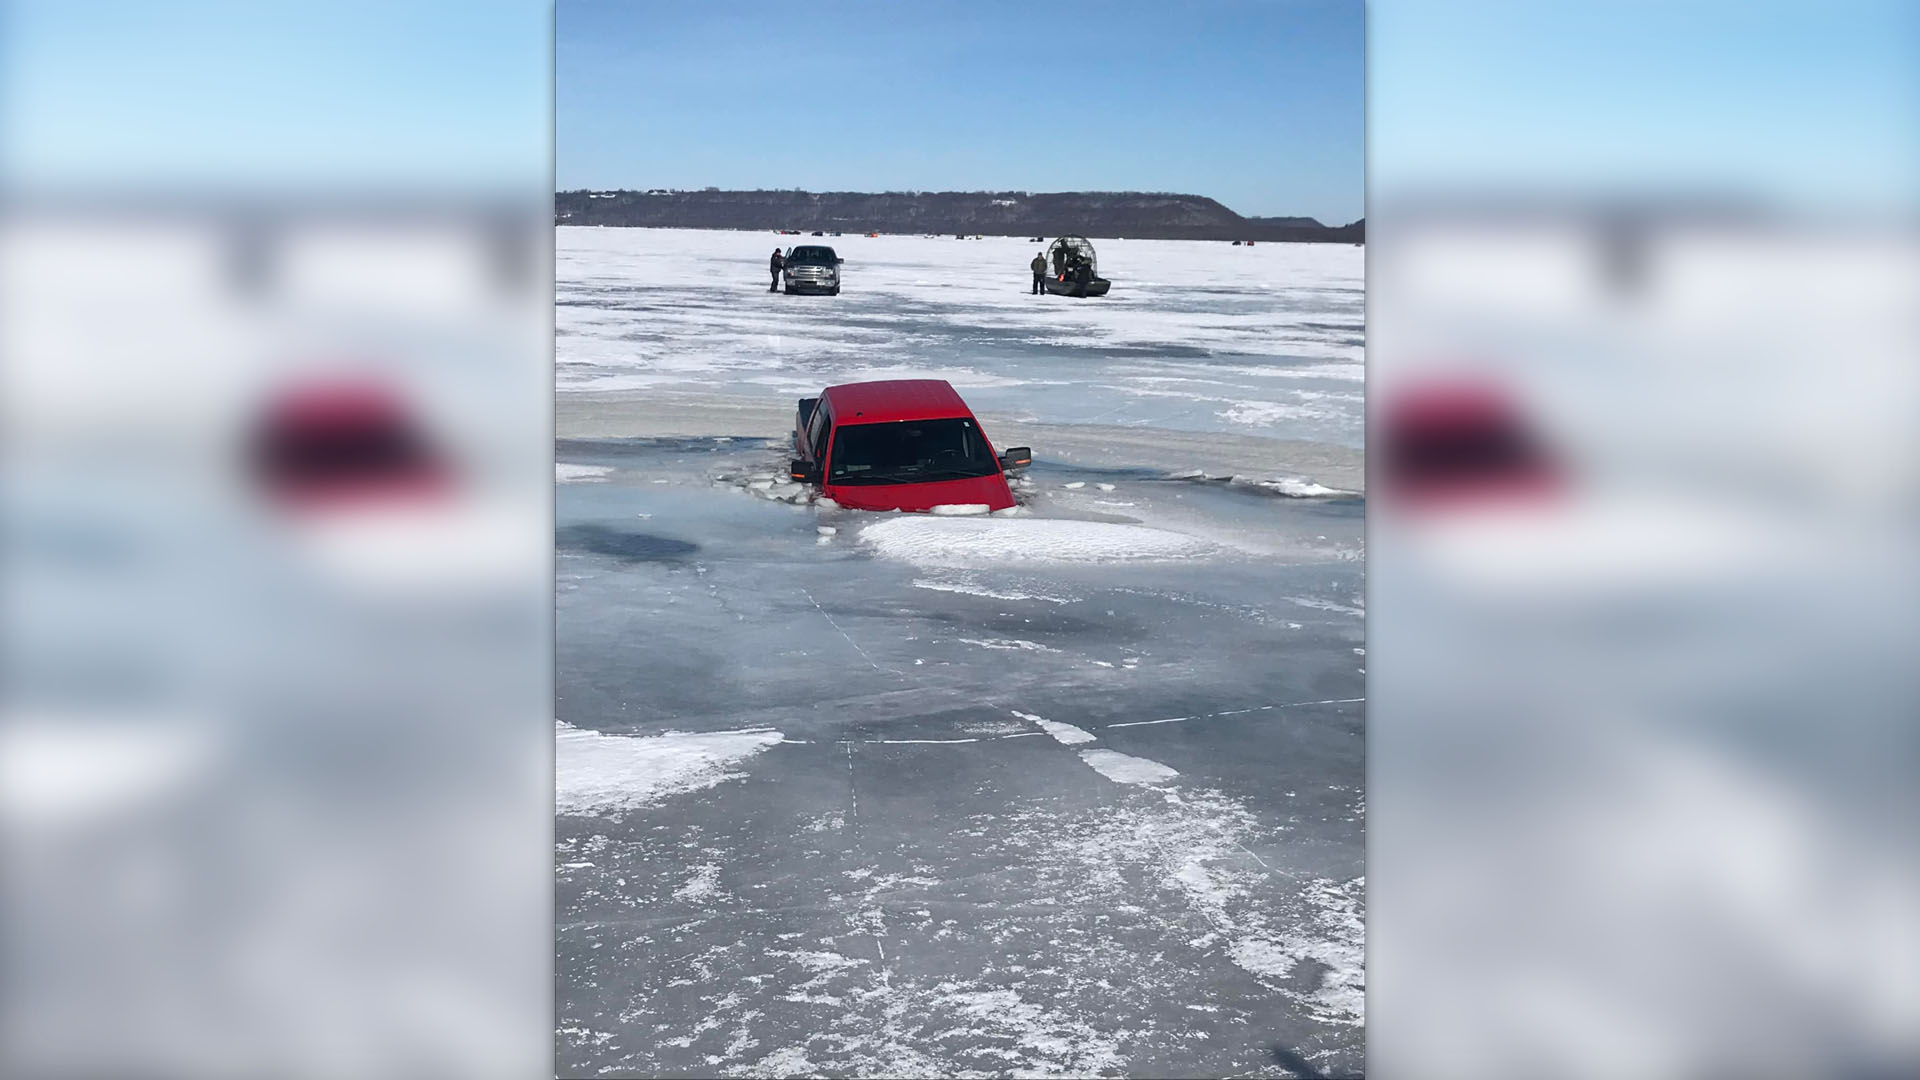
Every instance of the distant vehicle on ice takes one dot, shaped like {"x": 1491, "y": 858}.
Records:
{"x": 1075, "y": 271}
{"x": 812, "y": 268}
{"x": 901, "y": 444}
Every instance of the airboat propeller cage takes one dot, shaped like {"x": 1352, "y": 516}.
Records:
{"x": 1071, "y": 249}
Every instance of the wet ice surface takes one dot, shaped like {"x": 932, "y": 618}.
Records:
{"x": 1195, "y": 336}
{"x": 876, "y": 794}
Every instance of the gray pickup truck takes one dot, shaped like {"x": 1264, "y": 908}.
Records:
{"x": 813, "y": 268}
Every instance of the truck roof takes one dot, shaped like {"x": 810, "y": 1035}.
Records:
{"x": 894, "y": 399}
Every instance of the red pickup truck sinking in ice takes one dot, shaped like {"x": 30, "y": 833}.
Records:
{"x": 901, "y": 444}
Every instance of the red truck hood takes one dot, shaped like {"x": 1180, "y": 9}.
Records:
{"x": 990, "y": 491}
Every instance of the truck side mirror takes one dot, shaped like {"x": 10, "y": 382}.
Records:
{"x": 803, "y": 471}
{"x": 1016, "y": 457}
{"x": 840, "y": 260}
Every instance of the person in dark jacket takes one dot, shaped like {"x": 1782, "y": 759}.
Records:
{"x": 1039, "y": 266}
{"x": 776, "y": 264}
{"x": 1060, "y": 262}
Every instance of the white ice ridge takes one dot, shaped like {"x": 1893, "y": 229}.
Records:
{"x": 566, "y": 472}
{"x": 964, "y": 542}
{"x": 1294, "y": 486}
{"x": 1127, "y": 769}
{"x": 968, "y": 587}
{"x": 594, "y": 772}
{"x": 1064, "y": 733}
{"x": 1298, "y": 488}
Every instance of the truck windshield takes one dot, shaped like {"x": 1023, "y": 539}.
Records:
{"x": 909, "y": 452}
{"x": 818, "y": 256}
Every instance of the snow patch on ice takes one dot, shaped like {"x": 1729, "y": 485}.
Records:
{"x": 1333, "y": 936}
{"x": 565, "y": 472}
{"x": 1062, "y": 733}
{"x": 704, "y": 883}
{"x": 1008, "y": 643}
{"x": 1269, "y": 413}
{"x": 786, "y": 1061}
{"x": 1196, "y": 843}
{"x": 1127, "y": 769}
{"x": 598, "y": 773}
{"x": 996, "y": 728}
{"x": 966, "y": 542}
{"x": 1328, "y": 605}
{"x": 960, "y": 509}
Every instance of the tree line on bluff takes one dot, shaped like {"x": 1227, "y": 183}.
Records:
{"x": 1142, "y": 215}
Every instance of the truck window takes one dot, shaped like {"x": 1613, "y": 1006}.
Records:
{"x": 910, "y": 452}
{"x": 817, "y": 430}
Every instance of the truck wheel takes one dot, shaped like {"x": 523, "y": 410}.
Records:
{"x": 835, "y": 291}
{"x": 788, "y": 290}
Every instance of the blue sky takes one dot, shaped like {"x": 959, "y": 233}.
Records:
{"x": 1812, "y": 105}
{"x": 347, "y": 94}
{"x": 1257, "y": 103}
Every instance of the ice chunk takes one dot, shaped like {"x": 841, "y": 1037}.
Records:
{"x": 960, "y": 509}
{"x": 565, "y": 472}
{"x": 1294, "y": 487}
{"x": 595, "y": 772}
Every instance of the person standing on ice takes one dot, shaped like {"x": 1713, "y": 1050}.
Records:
{"x": 1039, "y": 266}
{"x": 776, "y": 264}
{"x": 1060, "y": 263}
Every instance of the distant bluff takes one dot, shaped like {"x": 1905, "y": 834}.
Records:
{"x": 1096, "y": 214}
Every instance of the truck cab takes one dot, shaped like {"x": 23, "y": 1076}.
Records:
{"x": 901, "y": 444}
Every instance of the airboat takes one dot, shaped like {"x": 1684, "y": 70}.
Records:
{"x": 1075, "y": 272}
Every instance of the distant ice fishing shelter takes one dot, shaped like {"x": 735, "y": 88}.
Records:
{"x": 1075, "y": 270}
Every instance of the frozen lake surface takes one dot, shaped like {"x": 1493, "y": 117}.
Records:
{"x": 1075, "y": 791}
{"x": 1195, "y": 336}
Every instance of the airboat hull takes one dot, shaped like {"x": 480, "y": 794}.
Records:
{"x": 1096, "y": 287}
